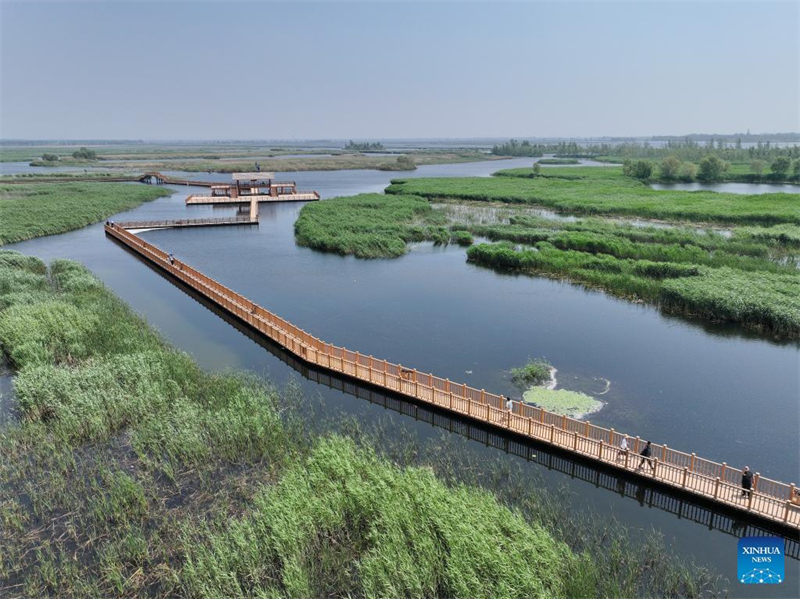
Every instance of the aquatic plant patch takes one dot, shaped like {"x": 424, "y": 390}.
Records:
{"x": 561, "y": 401}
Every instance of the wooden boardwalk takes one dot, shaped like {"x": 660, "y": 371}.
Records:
{"x": 186, "y": 222}
{"x": 300, "y": 196}
{"x": 719, "y": 483}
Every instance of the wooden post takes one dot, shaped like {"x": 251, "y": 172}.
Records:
{"x": 447, "y": 385}
{"x": 483, "y": 396}
{"x": 600, "y": 450}
{"x": 691, "y": 464}
{"x": 655, "y": 467}
{"x": 637, "y": 444}
{"x": 722, "y": 474}
{"x": 611, "y": 437}
{"x": 508, "y": 418}
{"x": 541, "y": 415}
{"x": 757, "y": 477}
{"x": 586, "y": 429}
{"x": 575, "y": 441}
{"x": 750, "y": 498}
{"x": 552, "y": 432}
{"x": 469, "y": 404}
{"x": 716, "y": 488}
{"x": 664, "y": 452}
{"x": 563, "y": 422}
{"x": 786, "y": 511}
{"x": 451, "y": 400}
{"x": 627, "y": 456}
{"x": 685, "y": 475}
{"x": 530, "y": 426}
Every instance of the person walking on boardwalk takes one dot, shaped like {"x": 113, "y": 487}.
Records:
{"x": 747, "y": 482}
{"x": 645, "y": 453}
{"x": 623, "y": 448}
{"x": 509, "y": 405}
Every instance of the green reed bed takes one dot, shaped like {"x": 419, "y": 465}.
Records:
{"x": 609, "y": 194}
{"x": 128, "y": 471}
{"x": 369, "y": 225}
{"x": 30, "y": 210}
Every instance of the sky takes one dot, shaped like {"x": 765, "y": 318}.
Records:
{"x": 302, "y": 70}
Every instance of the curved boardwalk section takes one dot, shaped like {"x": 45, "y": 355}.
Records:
{"x": 771, "y": 500}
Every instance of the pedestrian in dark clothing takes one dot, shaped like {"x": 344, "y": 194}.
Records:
{"x": 645, "y": 453}
{"x": 747, "y": 482}
{"x": 171, "y": 259}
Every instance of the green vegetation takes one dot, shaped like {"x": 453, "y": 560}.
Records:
{"x": 50, "y": 157}
{"x": 35, "y": 209}
{"x": 515, "y": 148}
{"x": 370, "y": 225}
{"x": 406, "y": 163}
{"x": 601, "y": 190}
{"x": 128, "y": 471}
{"x": 639, "y": 169}
{"x": 375, "y": 146}
{"x": 554, "y": 161}
{"x": 84, "y": 154}
{"x": 534, "y": 372}
{"x": 561, "y": 401}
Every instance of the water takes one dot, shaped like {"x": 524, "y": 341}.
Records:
{"x": 713, "y": 389}
{"x": 16, "y": 168}
{"x": 745, "y": 188}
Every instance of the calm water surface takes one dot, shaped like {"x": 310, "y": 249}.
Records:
{"x": 714, "y": 389}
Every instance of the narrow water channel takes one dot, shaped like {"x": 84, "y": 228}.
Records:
{"x": 720, "y": 391}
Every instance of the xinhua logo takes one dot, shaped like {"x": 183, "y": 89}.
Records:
{"x": 761, "y": 560}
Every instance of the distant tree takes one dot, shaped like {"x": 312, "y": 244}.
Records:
{"x": 711, "y": 168}
{"x": 780, "y": 166}
{"x": 537, "y": 169}
{"x": 670, "y": 167}
{"x": 738, "y": 143}
{"x": 627, "y": 167}
{"x": 642, "y": 170}
{"x": 406, "y": 163}
{"x": 365, "y": 147}
{"x": 85, "y": 154}
{"x": 757, "y": 166}
{"x": 796, "y": 168}
{"x": 50, "y": 157}
{"x": 688, "y": 171}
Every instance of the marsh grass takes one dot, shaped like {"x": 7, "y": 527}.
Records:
{"x": 30, "y": 210}
{"x": 603, "y": 190}
{"x": 131, "y": 472}
{"x": 369, "y": 225}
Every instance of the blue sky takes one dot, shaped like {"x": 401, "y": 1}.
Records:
{"x": 335, "y": 70}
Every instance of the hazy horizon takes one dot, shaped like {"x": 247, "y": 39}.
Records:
{"x": 273, "y": 71}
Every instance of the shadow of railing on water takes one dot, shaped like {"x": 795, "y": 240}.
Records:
{"x": 682, "y": 505}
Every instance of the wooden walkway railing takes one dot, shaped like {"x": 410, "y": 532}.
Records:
{"x": 186, "y": 222}
{"x": 300, "y": 196}
{"x": 770, "y": 499}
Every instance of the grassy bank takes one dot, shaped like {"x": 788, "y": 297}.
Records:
{"x": 269, "y": 162}
{"x": 601, "y": 190}
{"x": 370, "y": 225}
{"x": 131, "y": 472}
{"x": 36, "y": 209}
